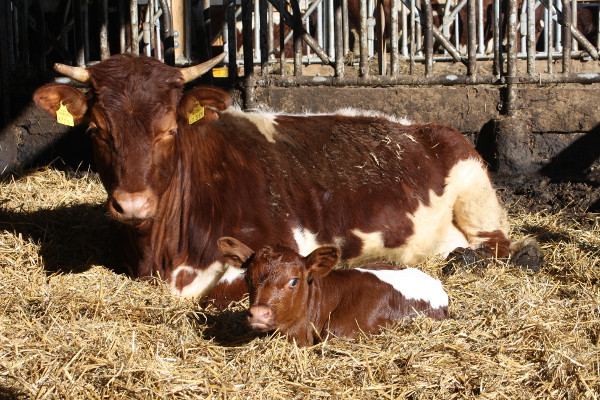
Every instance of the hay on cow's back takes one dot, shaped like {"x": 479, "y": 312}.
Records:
{"x": 71, "y": 328}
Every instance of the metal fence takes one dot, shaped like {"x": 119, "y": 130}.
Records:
{"x": 273, "y": 42}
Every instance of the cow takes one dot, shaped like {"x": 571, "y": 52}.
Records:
{"x": 305, "y": 299}
{"x": 184, "y": 169}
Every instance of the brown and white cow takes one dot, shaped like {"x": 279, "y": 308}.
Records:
{"x": 184, "y": 169}
{"x": 306, "y": 299}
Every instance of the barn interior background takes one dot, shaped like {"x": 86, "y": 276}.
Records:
{"x": 525, "y": 93}
{"x": 518, "y": 77}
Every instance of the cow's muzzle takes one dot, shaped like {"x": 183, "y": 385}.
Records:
{"x": 261, "y": 318}
{"x": 132, "y": 207}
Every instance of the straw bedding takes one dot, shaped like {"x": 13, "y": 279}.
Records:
{"x": 72, "y": 328}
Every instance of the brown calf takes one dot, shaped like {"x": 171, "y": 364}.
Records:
{"x": 304, "y": 298}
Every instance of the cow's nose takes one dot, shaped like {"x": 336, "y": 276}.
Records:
{"x": 132, "y": 206}
{"x": 260, "y": 314}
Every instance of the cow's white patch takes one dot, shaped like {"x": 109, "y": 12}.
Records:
{"x": 264, "y": 121}
{"x": 231, "y": 274}
{"x": 414, "y": 285}
{"x": 354, "y": 112}
{"x": 467, "y": 207}
{"x": 305, "y": 240}
{"x": 204, "y": 281}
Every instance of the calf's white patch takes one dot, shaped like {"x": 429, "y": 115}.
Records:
{"x": 413, "y": 284}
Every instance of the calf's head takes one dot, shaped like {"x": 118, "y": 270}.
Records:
{"x": 279, "y": 281}
{"x": 134, "y": 110}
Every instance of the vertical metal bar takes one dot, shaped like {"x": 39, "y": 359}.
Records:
{"x": 404, "y": 16}
{"x": 394, "y": 37}
{"x": 104, "y": 50}
{"x": 371, "y": 27}
{"x": 413, "y": 14}
{"x": 339, "y": 39}
{"x": 363, "y": 35}
{"x": 498, "y": 62}
{"x": 471, "y": 38}
{"x": 566, "y": 37}
{"x": 481, "y": 47}
{"x": 418, "y": 28}
{"x": 512, "y": 58}
{"x": 256, "y": 31}
{"x": 428, "y": 37}
{"x": 133, "y": 12}
{"x": 147, "y": 40}
{"x": 156, "y": 32}
{"x": 297, "y": 27}
{"x": 550, "y": 35}
{"x": 530, "y": 37}
{"x": 345, "y": 27}
{"x": 231, "y": 39}
{"x": 264, "y": 42}
{"x": 247, "y": 6}
{"x": 558, "y": 39}
{"x": 330, "y": 29}
{"x": 122, "y": 30}
{"x": 380, "y": 39}
{"x": 270, "y": 30}
{"x": 574, "y": 44}
{"x": 281, "y": 39}
{"x": 320, "y": 33}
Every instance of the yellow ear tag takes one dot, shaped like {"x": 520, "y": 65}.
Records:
{"x": 196, "y": 114}
{"x": 63, "y": 116}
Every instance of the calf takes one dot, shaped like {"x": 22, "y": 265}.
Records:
{"x": 304, "y": 298}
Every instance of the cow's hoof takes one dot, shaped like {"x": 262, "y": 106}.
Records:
{"x": 462, "y": 258}
{"x": 528, "y": 256}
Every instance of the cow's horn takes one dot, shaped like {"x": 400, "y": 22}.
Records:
{"x": 78, "y": 73}
{"x": 191, "y": 73}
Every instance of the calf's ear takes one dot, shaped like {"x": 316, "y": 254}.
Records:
{"x": 202, "y": 104}
{"x": 53, "y": 96}
{"x": 321, "y": 261}
{"x": 233, "y": 251}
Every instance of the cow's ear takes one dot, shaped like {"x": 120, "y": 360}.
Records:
{"x": 234, "y": 252}
{"x": 53, "y": 97}
{"x": 321, "y": 261}
{"x": 203, "y": 104}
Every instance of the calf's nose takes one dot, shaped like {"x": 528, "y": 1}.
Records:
{"x": 260, "y": 314}
{"x": 132, "y": 206}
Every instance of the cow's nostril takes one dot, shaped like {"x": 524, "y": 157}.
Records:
{"x": 117, "y": 207}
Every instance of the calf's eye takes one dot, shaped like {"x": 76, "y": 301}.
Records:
{"x": 293, "y": 282}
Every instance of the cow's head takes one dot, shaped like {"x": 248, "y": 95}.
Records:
{"x": 278, "y": 281}
{"x": 134, "y": 110}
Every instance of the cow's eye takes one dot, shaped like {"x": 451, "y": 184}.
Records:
{"x": 293, "y": 282}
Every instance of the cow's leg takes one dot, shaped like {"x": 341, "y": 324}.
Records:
{"x": 478, "y": 212}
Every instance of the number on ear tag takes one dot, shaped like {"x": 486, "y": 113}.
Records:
{"x": 196, "y": 114}
{"x": 63, "y": 116}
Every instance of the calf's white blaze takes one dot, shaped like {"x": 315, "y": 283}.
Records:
{"x": 202, "y": 284}
{"x": 413, "y": 285}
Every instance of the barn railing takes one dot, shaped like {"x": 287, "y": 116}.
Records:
{"x": 322, "y": 42}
